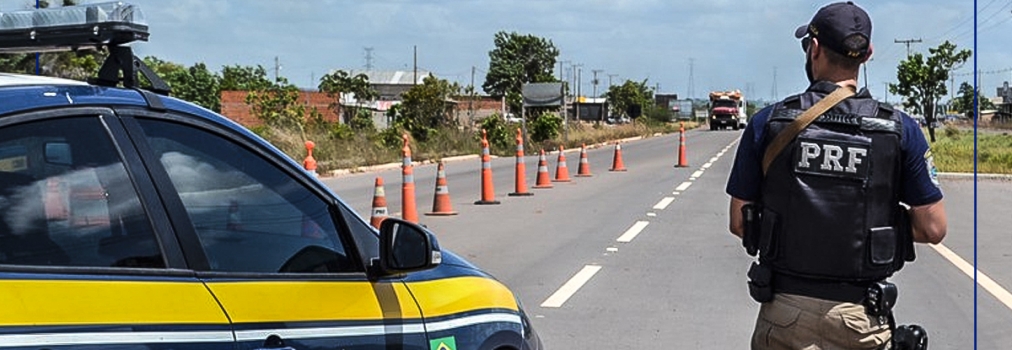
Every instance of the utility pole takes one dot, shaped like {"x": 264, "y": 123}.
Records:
{"x": 471, "y": 98}
{"x": 579, "y": 70}
{"x": 595, "y": 81}
{"x": 415, "y": 82}
{"x": 609, "y": 79}
{"x": 907, "y": 42}
{"x": 885, "y": 91}
{"x": 277, "y": 69}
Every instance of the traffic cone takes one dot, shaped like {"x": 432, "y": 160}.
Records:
{"x": 561, "y": 171}
{"x": 681, "y": 147}
{"x": 379, "y": 204}
{"x": 521, "y": 179}
{"x": 584, "y": 169}
{"x": 441, "y": 205}
{"x": 544, "y": 180}
{"x": 487, "y": 188}
{"x": 409, "y": 211}
{"x": 310, "y": 163}
{"x": 616, "y": 163}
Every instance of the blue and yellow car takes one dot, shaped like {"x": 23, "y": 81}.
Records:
{"x": 134, "y": 220}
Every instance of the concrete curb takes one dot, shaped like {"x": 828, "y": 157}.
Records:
{"x": 979, "y": 176}
{"x": 388, "y": 166}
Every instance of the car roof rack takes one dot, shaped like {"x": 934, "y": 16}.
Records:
{"x": 113, "y": 25}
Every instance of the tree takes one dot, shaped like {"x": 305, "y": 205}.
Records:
{"x": 628, "y": 96}
{"x": 518, "y": 59}
{"x": 922, "y": 81}
{"x": 244, "y": 78}
{"x": 427, "y": 107}
{"x": 341, "y": 82}
{"x": 964, "y": 101}
{"x": 195, "y": 84}
{"x": 277, "y": 105}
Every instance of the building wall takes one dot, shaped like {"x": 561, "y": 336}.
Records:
{"x": 233, "y": 106}
{"x": 469, "y": 110}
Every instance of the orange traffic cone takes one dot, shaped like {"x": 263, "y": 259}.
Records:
{"x": 544, "y": 180}
{"x": 584, "y": 169}
{"x": 521, "y": 179}
{"x": 616, "y": 163}
{"x": 310, "y": 163}
{"x": 441, "y": 202}
{"x": 681, "y": 147}
{"x": 487, "y": 188}
{"x": 561, "y": 171}
{"x": 409, "y": 211}
{"x": 379, "y": 204}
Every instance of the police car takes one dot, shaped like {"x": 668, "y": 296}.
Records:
{"x": 133, "y": 220}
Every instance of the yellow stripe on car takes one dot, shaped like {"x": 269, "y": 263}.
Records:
{"x": 55, "y": 302}
{"x": 314, "y": 301}
{"x": 453, "y": 295}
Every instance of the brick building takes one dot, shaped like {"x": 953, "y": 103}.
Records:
{"x": 233, "y": 106}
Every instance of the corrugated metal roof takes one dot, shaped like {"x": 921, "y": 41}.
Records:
{"x": 396, "y": 77}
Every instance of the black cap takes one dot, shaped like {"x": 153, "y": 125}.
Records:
{"x": 836, "y": 22}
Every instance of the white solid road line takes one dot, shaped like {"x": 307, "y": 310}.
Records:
{"x": 989, "y": 285}
{"x": 664, "y": 203}
{"x": 567, "y": 290}
{"x": 683, "y": 186}
{"x": 633, "y": 231}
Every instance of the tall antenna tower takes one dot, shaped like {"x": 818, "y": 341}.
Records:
{"x": 691, "y": 79}
{"x": 775, "y": 84}
{"x": 368, "y": 58}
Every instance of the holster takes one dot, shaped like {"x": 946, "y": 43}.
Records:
{"x": 905, "y": 245}
{"x": 910, "y": 337}
{"x": 760, "y": 282}
{"x": 752, "y": 217}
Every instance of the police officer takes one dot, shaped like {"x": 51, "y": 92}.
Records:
{"x": 823, "y": 213}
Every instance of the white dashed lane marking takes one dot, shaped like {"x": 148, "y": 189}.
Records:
{"x": 567, "y": 290}
{"x": 664, "y": 203}
{"x": 633, "y": 231}
{"x": 683, "y": 186}
{"x": 986, "y": 282}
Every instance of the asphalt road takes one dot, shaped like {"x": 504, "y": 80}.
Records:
{"x": 643, "y": 258}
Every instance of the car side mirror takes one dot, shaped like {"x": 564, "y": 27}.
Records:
{"x": 406, "y": 247}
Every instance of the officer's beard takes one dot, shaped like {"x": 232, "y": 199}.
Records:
{"x": 808, "y": 68}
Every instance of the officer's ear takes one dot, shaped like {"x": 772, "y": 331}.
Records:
{"x": 871, "y": 51}
{"x": 815, "y": 49}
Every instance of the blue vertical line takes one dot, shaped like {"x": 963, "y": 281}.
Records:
{"x": 976, "y": 116}
{"x": 36, "y": 54}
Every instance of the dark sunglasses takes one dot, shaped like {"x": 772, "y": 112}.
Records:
{"x": 805, "y": 43}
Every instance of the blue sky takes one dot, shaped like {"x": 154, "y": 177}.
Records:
{"x": 739, "y": 44}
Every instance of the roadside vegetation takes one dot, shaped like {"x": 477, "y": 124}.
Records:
{"x": 953, "y": 150}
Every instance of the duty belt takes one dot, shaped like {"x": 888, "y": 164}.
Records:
{"x": 853, "y": 292}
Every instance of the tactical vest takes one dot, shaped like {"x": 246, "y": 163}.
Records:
{"x": 830, "y": 197}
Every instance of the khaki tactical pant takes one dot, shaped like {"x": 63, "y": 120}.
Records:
{"x": 794, "y": 322}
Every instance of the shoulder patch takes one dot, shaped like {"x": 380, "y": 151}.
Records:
{"x": 929, "y": 164}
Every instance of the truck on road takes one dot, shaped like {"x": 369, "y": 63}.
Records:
{"x": 727, "y": 109}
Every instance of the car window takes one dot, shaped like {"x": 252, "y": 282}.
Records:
{"x": 66, "y": 199}
{"x": 249, "y": 215}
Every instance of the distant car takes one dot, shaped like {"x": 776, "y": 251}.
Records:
{"x": 511, "y": 118}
